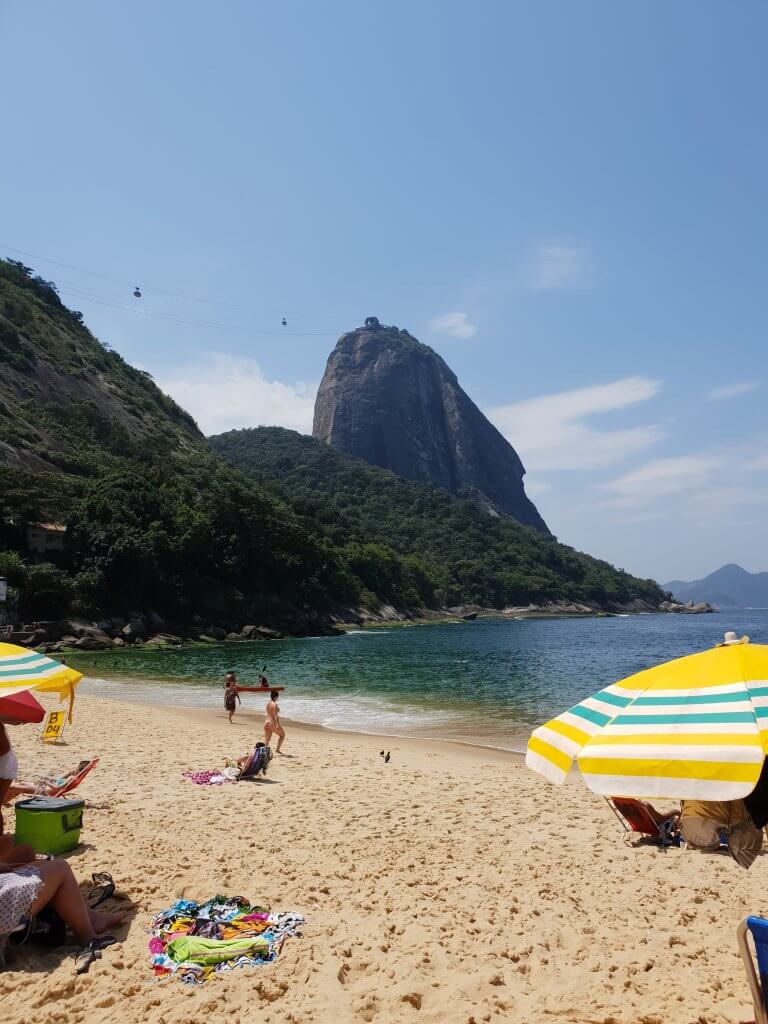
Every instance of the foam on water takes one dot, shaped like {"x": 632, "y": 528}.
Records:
{"x": 485, "y": 681}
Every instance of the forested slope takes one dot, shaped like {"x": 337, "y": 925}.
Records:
{"x": 468, "y": 555}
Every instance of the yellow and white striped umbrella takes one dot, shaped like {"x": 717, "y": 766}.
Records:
{"x": 22, "y": 669}
{"x": 693, "y": 728}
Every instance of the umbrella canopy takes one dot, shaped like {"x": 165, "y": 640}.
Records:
{"x": 694, "y": 728}
{"x": 23, "y": 707}
{"x": 22, "y": 669}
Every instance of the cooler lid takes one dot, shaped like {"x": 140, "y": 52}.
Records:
{"x": 49, "y": 803}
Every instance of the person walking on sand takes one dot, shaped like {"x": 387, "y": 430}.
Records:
{"x": 272, "y": 724}
{"x": 231, "y": 696}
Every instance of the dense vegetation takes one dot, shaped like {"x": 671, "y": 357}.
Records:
{"x": 459, "y": 552}
{"x": 279, "y": 530}
{"x": 156, "y": 520}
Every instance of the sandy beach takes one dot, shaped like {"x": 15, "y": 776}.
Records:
{"x": 450, "y": 885}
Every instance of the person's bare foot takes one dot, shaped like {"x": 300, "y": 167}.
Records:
{"x": 102, "y": 922}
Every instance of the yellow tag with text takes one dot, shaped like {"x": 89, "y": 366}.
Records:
{"x": 53, "y": 726}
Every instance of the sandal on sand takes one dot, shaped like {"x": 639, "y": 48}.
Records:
{"x": 104, "y": 887}
{"x": 85, "y": 955}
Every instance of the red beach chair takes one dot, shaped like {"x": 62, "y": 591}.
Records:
{"x": 637, "y": 816}
{"x": 74, "y": 781}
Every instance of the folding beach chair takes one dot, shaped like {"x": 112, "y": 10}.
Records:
{"x": 259, "y": 760}
{"x": 757, "y": 927}
{"x": 73, "y": 781}
{"x": 641, "y": 818}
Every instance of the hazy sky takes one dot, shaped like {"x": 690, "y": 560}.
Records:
{"x": 567, "y": 200}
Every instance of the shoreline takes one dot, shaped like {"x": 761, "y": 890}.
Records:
{"x": 71, "y": 637}
{"x": 255, "y": 720}
{"x": 210, "y": 714}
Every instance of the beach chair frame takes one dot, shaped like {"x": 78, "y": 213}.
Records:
{"x": 74, "y": 782}
{"x": 755, "y": 988}
{"x": 628, "y": 830}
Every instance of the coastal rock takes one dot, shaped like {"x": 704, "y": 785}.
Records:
{"x": 393, "y": 402}
{"x": 216, "y": 632}
{"x": 266, "y": 633}
{"x": 164, "y": 640}
{"x": 136, "y": 629}
{"x": 93, "y": 640}
{"x": 677, "y": 607}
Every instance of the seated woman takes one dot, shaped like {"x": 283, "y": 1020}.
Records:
{"x": 27, "y": 886}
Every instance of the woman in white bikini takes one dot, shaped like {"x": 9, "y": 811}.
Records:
{"x": 272, "y": 724}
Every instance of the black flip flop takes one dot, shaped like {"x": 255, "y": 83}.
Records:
{"x": 86, "y": 955}
{"x": 104, "y": 887}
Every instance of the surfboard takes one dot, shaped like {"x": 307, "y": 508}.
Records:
{"x": 259, "y": 689}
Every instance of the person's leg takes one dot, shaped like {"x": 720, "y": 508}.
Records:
{"x": 19, "y": 789}
{"x": 267, "y": 734}
{"x": 281, "y": 734}
{"x": 61, "y": 891}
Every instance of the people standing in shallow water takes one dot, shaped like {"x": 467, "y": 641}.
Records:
{"x": 272, "y": 725}
{"x": 231, "y": 696}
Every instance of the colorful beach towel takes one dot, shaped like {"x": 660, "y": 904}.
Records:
{"x": 216, "y": 777}
{"x": 192, "y": 940}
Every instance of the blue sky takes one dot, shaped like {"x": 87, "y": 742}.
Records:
{"x": 567, "y": 200}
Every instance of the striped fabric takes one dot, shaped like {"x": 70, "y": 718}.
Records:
{"x": 693, "y": 728}
{"x": 22, "y": 669}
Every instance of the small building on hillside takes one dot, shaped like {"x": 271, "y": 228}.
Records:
{"x": 46, "y": 538}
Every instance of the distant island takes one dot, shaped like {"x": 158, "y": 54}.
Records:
{"x": 730, "y": 586}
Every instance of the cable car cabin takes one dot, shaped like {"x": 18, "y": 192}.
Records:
{"x": 137, "y": 292}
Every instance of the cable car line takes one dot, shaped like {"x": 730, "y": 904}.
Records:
{"x": 160, "y": 291}
{"x": 196, "y": 323}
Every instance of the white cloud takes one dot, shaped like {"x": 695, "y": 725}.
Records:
{"x": 549, "y": 432}
{"x": 715, "y": 490}
{"x": 224, "y": 391}
{"x": 454, "y": 325}
{"x": 663, "y": 478}
{"x": 559, "y": 265}
{"x": 734, "y": 390}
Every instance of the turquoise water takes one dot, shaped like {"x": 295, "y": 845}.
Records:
{"x": 485, "y": 682}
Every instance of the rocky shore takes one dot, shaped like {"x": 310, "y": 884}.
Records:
{"x": 139, "y": 629}
{"x": 150, "y": 629}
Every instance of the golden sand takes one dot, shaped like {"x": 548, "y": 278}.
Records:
{"x": 451, "y": 885}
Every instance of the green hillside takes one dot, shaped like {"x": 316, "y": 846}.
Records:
{"x": 465, "y": 555}
{"x": 155, "y": 519}
{"x": 280, "y": 529}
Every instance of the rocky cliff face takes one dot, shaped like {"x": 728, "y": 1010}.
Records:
{"x": 393, "y": 402}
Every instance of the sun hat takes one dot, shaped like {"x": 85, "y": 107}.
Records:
{"x": 731, "y": 638}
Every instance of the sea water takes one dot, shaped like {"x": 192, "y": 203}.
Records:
{"x": 487, "y": 682}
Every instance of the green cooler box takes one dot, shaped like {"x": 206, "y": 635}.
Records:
{"x": 51, "y": 824}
